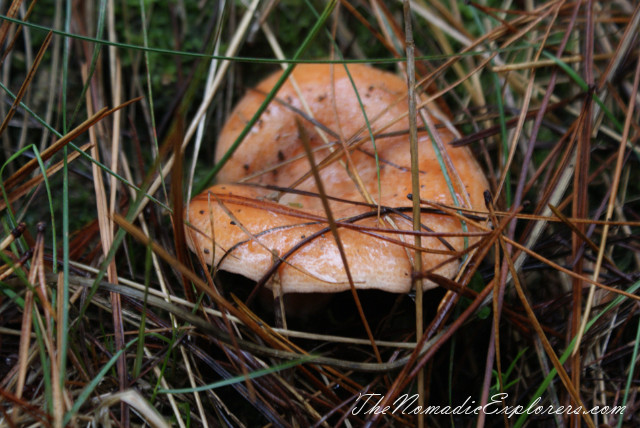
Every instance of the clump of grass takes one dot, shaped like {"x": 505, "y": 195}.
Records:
{"x": 108, "y": 125}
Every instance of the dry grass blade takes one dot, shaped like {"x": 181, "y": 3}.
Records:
{"x": 177, "y": 206}
{"x": 417, "y": 360}
{"x": 415, "y": 184}
{"x": 336, "y": 236}
{"x": 31, "y": 184}
{"x": 548, "y": 348}
{"x": 622, "y": 50}
{"x": 15, "y": 233}
{"x": 62, "y": 142}
{"x": 26, "y": 83}
{"x": 574, "y": 275}
{"x": 200, "y": 285}
{"x": 4, "y": 29}
{"x": 269, "y": 351}
{"x": 579, "y": 232}
{"x": 27, "y": 318}
{"x": 136, "y": 400}
{"x": 106, "y": 238}
{"x": 612, "y": 198}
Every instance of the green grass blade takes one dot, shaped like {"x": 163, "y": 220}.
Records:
{"x": 253, "y": 60}
{"x": 94, "y": 59}
{"x": 270, "y": 96}
{"x": 565, "y": 355}
{"x": 65, "y": 65}
{"x": 630, "y": 378}
{"x": 137, "y": 364}
{"x": 88, "y": 390}
{"x": 236, "y": 379}
{"x": 147, "y": 62}
{"x": 583, "y": 85}
{"x": 64, "y": 326}
{"x": 503, "y": 136}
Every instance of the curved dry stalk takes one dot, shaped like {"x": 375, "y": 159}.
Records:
{"x": 612, "y": 199}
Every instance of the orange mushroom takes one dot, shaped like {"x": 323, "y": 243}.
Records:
{"x": 247, "y": 227}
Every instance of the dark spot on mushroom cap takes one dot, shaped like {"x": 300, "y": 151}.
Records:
{"x": 233, "y": 223}
{"x": 280, "y": 155}
{"x": 206, "y": 251}
{"x": 321, "y": 97}
{"x": 201, "y": 211}
{"x": 246, "y": 166}
{"x": 369, "y": 91}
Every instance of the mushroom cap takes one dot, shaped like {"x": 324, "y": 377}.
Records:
{"x": 241, "y": 228}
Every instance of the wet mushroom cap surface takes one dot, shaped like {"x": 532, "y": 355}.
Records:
{"x": 245, "y": 227}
